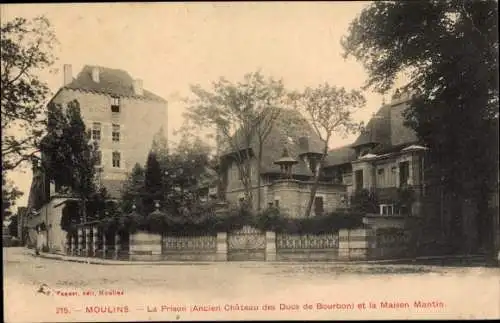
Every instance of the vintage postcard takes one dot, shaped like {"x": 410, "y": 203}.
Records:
{"x": 250, "y": 161}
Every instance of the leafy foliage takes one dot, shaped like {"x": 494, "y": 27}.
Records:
{"x": 449, "y": 51}
{"x": 175, "y": 183}
{"x": 26, "y": 48}
{"x": 364, "y": 201}
{"x": 133, "y": 190}
{"x": 153, "y": 183}
{"x": 69, "y": 158}
{"x": 239, "y": 112}
{"x": 329, "y": 110}
{"x": 208, "y": 222}
{"x": 9, "y": 196}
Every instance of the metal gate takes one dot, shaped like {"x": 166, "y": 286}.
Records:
{"x": 246, "y": 244}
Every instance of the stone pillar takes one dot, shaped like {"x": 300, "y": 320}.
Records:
{"x": 80, "y": 242}
{"x": 270, "y": 246}
{"x": 95, "y": 240}
{"x": 88, "y": 242}
{"x": 344, "y": 253}
{"x": 360, "y": 241}
{"x": 117, "y": 245}
{"x": 221, "y": 254}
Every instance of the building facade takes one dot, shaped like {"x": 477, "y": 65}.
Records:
{"x": 123, "y": 119}
{"x": 385, "y": 159}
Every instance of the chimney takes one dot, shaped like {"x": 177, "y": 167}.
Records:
{"x": 68, "y": 74}
{"x": 137, "y": 87}
{"x": 95, "y": 74}
{"x": 304, "y": 144}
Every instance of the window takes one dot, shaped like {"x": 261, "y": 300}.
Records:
{"x": 404, "y": 173}
{"x": 277, "y": 202}
{"x": 313, "y": 164}
{"x": 393, "y": 176}
{"x": 115, "y": 104}
{"x": 96, "y": 131}
{"x": 318, "y": 205}
{"x": 386, "y": 209}
{"x": 116, "y": 132}
{"x": 358, "y": 177}
{"x": 116, "y": 159}
{"x": 381, "y": 177}
{"x": 347, "y": 179}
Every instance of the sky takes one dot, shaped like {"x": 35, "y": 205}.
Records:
{"x": 173, "y": 45}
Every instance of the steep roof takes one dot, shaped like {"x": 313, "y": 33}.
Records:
{"x": 387, "y": 127}
{"x": 111, "y": 81}
{"x": 339, "y": 156}
{"x": 282, "y": 135}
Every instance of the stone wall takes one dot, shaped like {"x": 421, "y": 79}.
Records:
{"x": 139, "y": 121}
{"x": 355, "y": 244}
{"x": 294, "y": 195}
{"x": 250, "y": 243}
{"x": 145, "y": 246}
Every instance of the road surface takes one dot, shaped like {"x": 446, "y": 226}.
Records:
{"x": 37, "y": 290}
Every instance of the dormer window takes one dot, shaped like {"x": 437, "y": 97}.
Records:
{"x": 115, "y": 104}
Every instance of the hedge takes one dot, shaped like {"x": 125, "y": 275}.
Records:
{"x": 199, "y": 224}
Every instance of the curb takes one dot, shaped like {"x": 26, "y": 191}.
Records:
{"x": 99, "y": 261}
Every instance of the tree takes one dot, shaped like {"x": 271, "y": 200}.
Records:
{"x": 329, "y": 110}
{"x": 153, "y": 182}
{"x": 240, "y": 113}
{"x": 68, "y": 156}
{"x": 160, "y": 146}
{"x": 9, "y": 196}
{"x": 26, "y": 48}
{"x": 187, "y": 171}
{"x": 449, "y": 50}
{"x": 13, "y": 225}
{"x": 133, "y": 190}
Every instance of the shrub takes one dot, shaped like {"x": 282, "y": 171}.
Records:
{"x": 364, "y": 201}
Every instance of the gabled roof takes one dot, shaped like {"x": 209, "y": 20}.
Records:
{"x": 378, "y": 129}
{"x": 283, "y": 135}
{"x": 111, "y": 81}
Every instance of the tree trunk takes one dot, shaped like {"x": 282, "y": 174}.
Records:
{"x": 259, "y": 162}
{"x": 244, "y": 170}
{"x": 314, "y": 188}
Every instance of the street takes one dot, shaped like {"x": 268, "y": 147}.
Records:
{"x": 37, "y": 289}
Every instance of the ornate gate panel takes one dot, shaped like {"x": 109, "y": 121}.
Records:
{"x": 246, "y": 244}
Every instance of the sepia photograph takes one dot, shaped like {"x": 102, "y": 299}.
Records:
{"x": 213, "y": 161}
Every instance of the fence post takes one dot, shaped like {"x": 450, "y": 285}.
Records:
{"x": 221, "y": 246}
{"x": 270, "y": 246}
